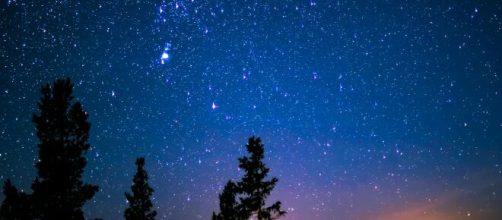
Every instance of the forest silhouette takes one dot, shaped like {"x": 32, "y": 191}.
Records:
{"x": 58, "y": 191}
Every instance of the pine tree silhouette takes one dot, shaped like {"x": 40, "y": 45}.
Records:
{"x": 228, "y": 203}
{"x": 254, "y": 185}
{"x": 252, "y": 190}
{"x": 63, "y": 133}
{"x": 140, "y": 205}
{"x": 16, "y": 204}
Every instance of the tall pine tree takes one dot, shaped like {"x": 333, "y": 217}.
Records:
{"x": 252, "y": 190}
{"x": 140, "y": 205}
{"x": 63, "y": 133}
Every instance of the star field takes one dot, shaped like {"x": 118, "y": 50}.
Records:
{"x": 367, "y": 109}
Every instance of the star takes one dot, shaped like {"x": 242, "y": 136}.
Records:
{"x": 164, "y": 57}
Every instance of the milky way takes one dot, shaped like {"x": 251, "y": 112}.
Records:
{"x": 367, "y": 109}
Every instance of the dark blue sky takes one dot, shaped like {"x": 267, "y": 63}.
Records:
{"x": 368, "y": 109}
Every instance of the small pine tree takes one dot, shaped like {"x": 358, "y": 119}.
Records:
{"x": 63, "y": 133}
{"x": 252, "y": 190}
{"x": 140, "y": 205}
{"x": 228, "y": 203}
{"x": 254, "y": 185}
{"x": 15, "y": 205}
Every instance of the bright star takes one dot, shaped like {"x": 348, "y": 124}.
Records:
{"x": 164, "y": 57}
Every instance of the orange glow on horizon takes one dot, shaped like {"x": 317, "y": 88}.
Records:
{"x": 450, "y": 206}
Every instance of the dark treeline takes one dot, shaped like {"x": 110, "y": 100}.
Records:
{"x": 58, "y": 191}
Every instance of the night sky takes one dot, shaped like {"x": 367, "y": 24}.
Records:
{"x": 368, "y": 109}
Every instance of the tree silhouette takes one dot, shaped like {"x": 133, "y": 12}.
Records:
{"x": 16, "y": 204}
{"x": 63, "y": 133}
{"x": 228, "y": 203}
{"x": 140, "y": 205}
{"x": 252, "y": 190}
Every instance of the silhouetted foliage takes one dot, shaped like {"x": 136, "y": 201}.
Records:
{"x": 16, "y": 205}
{"x": 252, "y": 190}
{"x": 140, "y": 205}
{"x": 228, "y": 203}
{"x": 63, "y": 133}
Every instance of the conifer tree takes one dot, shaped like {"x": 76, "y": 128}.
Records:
{"x": 228, "y": 203}
{"x": 252, "y": 190}
{"x": 140, "y": 205}
{"x": 63, "y": 133}
{"x": 254, "y": 186}
{"x": 16, "y": 204}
